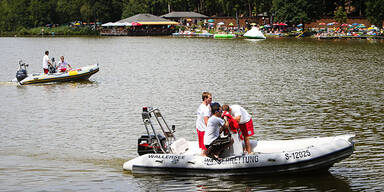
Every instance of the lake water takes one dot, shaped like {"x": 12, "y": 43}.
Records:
{"x": 76, "y": 136}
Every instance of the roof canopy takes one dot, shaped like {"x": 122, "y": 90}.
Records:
{"x": 117, "y": 24}
{"x": 180, "y": 14}
{"x": 147, "y": 19}
{"x": 140, "y": 19}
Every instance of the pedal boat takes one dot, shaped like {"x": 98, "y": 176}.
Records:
{"x": 163, "y": 154}
{"x": 81, "y": 73}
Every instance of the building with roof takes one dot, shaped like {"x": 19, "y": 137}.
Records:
{"x": 183, "y": 14}
{"x": 184, "y": 17}
{"x": 140, "y": 25}
{"x": 148, "y": 19}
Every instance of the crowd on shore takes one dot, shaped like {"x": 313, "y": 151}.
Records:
{"x": 354, "y": 31}
{"x": 332, "y": 30}
{"x": 322, "y": 31}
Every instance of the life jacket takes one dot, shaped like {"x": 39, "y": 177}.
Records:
{"x": 233, "y": 124}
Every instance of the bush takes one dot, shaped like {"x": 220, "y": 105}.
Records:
{"x": 22, "y": 31}
{"x": 178, "y": 28}
{"x": 46, "y": 31}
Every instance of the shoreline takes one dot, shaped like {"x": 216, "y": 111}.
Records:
{"x": 238, "y": 36}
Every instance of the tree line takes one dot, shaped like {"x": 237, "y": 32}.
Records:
{"x": 15, "y": 14}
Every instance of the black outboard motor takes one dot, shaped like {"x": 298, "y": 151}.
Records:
{"x": 22, "y": 72}
{"x": 149, "y": 144}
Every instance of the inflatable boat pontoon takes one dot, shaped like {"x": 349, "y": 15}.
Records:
{"x": 163, "y": 154}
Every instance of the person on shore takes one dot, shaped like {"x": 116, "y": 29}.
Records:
{"x": 212, "y": 140}
{"x": 203, "y": 114}
{"x": 63, "y": 65}
{"x": 245, "y": 123}
{"x": 46, "y": 62}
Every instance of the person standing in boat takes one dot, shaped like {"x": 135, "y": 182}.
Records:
{"x": 245, "y": 123}
{"x": 46, "y": 62}
{"x": 203, "y": 113}
{"x": 63, "y": 65}
{"x": 212, "y": 140}
{"x": 237, "y": 146}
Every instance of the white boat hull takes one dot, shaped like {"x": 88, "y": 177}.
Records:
{"x": 75, "y": 74}
{"x": 268, "y": 157}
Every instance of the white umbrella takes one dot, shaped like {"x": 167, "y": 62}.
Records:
{"x": 122, "y": 24}
{"x": 115, "y": 24}
{"x": 107, "y": 24}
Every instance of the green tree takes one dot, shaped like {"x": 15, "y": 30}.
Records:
{"x": 15, "y": 14}
{"x": 291, "y": 11}
{"x": 68, "y": 10}
{"x": 340, "y": 15}
{"x": 116, "y": 10}
{"x": 101, "y": 11}
{"x": 132, "y": 7}
{"x": 263, "y": 6}
{"x": 86, "y": 12}
{"x": 327, "y": 8}
{"x": 375, "y": 12}
{"x": 3, "y": 15}
{"x": 41, "y": 12}
{"x": 357, "y": 7}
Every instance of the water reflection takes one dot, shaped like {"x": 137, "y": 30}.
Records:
{"x": 254, "y": 40}
{"x": 323, "y": 181}
{"x": 76, "y": 83}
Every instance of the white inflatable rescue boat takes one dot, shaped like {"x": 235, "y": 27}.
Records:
{"x": 163, "y": 154}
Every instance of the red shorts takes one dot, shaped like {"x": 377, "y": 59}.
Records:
{"x": 200, "y": 136}
{"x": 247, "y": 128}
{"x": 62, "y": 69}
{"x": 45, "y": 71}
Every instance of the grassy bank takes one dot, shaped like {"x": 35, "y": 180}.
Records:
{"x": 51, "y": 31}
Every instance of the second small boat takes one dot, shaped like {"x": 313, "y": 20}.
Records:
{"x": 81, "y": 73}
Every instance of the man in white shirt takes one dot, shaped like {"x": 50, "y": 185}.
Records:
{"x": 203, "y": 113}
{"x": 245, "y": 123}
{"x": 212, "y": 140}
{"x": 46, "y": 62}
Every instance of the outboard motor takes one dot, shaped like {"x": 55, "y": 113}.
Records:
{"x": 149, "y": 144}
{"x": 22, "y": 72}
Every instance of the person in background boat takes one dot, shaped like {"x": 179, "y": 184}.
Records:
{"x": 63, "y": 65}
{"x": 46, "y": 62}
{"x": 245, "y": 123}
{"x": 212, "y": 140}
{"x": 203, "y": 113}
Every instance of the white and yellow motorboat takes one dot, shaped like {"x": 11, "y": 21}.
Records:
{"x": 81, "y": 73}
